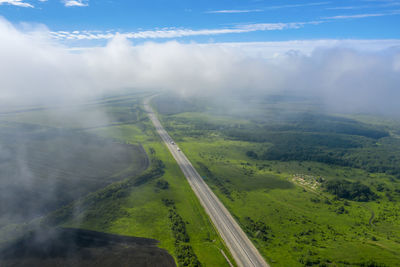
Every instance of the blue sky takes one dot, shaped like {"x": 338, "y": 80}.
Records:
{"x": 209, "y": 21}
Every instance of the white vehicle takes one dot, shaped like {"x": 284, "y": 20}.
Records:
{"x": 178, "y": 149}
{"x": 172, "y": 142}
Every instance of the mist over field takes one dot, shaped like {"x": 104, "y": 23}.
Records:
{"x": 37, "y": 69}
{"x": 298, "y": 138}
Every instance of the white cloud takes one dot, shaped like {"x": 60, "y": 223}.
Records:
{"x": 16, "y": 3}
{"x": 348, "y": 7}
{"x": 233, "y": 11}
{"x": 368, "y": 15}
{"x": 79, "y": 3}
{"x": 270, "y": 50}
{"x": 357, "y": 16}
{"x": 341, "y": 74}
{"x": 375, "y": 5}
{"x": 176, "y": 33}
{"x": 274, "y": 26}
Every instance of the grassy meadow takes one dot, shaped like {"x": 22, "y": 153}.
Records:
{"x": 285, "y": 201}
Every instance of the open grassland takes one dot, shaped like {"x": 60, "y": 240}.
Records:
{"x": 282, "y": 200}
{"x": 304, "y": 224}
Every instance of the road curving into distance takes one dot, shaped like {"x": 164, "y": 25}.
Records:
{"x": 241, "y": 248}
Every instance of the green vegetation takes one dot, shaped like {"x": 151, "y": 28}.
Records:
{"x": 257, "y": 229}
{"x": 178, "y": 226}
{"x": 184, "y": 251}
{"x": 114, "y": 192}
{"x": 129, "y": 200}
{"x": 215, "y": 180}
{"x": 348, "y": 190}
{"x": 162, "y": 184}
{"x": 142, "y": 212}
{"x": 330, "y": 148}
{"x": 309, "y": 188}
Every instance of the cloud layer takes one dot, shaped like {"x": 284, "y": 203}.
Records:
{"x": 20, "y": 3}
{"x": 177, "y": 33}
{"x": 35, "y": 67}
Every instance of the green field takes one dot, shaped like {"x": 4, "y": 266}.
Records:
{"x": 100, "y": 167}
{"x": 309, "y": 187}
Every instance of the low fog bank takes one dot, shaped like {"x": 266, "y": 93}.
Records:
{"x": 36, "y": 69}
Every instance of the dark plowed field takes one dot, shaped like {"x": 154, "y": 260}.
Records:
{"x": 76, "y": 247}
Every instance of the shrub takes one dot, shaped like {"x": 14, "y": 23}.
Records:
{"x": 351, "y": 191}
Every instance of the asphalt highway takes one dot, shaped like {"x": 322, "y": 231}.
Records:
{"x": 241, "y": 248}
